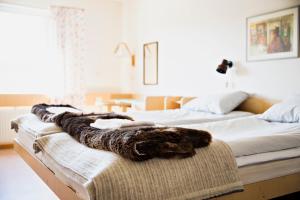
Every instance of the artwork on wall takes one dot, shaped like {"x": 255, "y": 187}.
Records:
{"x": 151, "y": 63}
{"x": 273, "y": 35}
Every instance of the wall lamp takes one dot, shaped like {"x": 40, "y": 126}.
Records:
{"x": 123, "y": 50}
{"x": 222, "y": 68}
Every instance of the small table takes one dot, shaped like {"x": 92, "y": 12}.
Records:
{"x": 110, "y": 103}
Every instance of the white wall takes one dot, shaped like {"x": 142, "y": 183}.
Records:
{"x": 103, "y": 32}
{"x": 194, "y": 36}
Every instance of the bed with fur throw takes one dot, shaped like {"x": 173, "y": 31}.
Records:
{"x": 135, "y": 143}
{"x": 107, "y": 170}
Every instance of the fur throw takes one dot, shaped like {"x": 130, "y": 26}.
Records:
{"x": 135, "y": 143}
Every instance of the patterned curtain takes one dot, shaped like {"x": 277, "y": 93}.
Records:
{"x": 69, "y": 24}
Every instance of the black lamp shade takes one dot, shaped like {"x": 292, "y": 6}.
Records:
{"x": 222, "y": 68}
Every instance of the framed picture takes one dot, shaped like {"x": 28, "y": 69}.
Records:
{"x": 273, "y": 35}
{"x": 151, "y": 63}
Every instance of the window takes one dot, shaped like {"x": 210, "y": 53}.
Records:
{"x": 27, "y": 52}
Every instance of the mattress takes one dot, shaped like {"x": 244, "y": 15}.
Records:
{"x": 250, "y": 169}
{"x": 180, "y": 116}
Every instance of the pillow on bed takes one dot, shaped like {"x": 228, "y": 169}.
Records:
{"x": 287, "y": 111}
{"x": 217, "y": 103}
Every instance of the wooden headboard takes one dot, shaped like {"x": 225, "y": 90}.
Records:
{"x": 22, "y": 99}
{"x": 253, "y": 104}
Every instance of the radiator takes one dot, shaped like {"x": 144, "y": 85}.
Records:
{"x": 6, "y": 115}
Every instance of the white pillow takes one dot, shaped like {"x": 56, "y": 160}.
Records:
{"x": 217, "y": 103}
{"x": 287, "y": 111}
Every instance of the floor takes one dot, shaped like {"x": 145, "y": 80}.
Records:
{"x": 15, "y": 175}
{"x": 19, "y": 181}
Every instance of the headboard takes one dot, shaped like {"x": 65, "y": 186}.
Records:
{"x": 253, "y": 104}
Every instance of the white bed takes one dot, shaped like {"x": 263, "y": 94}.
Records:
{"x": 181, "y": 116}
{"x": 254, "y": 140}
{"x": 264, "y": 163}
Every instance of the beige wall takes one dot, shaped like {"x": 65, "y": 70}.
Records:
{"x": 194, "y": 36}
{"x": 103, "y": 25}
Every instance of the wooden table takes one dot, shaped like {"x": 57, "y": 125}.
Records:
{"x": 110, "y": 103}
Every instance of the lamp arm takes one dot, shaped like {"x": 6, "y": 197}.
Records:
{"x": 125, "y": 45}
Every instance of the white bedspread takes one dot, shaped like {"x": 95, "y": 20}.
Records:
{"x": 250, "y": 135}
{"x": 180, "y": 116}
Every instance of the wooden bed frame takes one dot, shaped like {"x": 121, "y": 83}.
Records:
{"x": 259, "y": 191}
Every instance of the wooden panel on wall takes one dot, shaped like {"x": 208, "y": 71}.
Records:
{"x": 22, "y": 99}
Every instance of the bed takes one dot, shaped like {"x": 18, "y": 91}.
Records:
{"x": 258, "y": 178}
{"x": 264, "y": 180}
{"x": 179, "y": 112}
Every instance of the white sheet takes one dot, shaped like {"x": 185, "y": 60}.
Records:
{"x": 252, "y": 136}
{"x": 59, "y": 110}
{"x": 180, "y": 116}
{"x": 118, "y": 123}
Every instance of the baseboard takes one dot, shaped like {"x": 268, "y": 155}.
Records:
{"x": 6, "y": 146}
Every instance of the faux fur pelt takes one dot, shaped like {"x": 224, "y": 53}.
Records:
{"x": 135, "y": 143}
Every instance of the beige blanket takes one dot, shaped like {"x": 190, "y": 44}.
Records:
{"x": 211, "y": 172}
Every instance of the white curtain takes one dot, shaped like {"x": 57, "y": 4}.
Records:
{"x": 69, "y": 24}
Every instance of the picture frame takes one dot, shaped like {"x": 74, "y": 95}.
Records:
{"x": 150, "y": 62}
{"x": 273, "y": 35}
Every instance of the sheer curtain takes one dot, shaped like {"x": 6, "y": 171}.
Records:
{"x": 69, "y": 23}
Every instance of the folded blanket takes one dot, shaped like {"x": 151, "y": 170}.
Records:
{"x": 119, "y": 123}
{"x": 211, "y": 172}
{"x": 34, "y": 125}
{"x": 133, "y": 142}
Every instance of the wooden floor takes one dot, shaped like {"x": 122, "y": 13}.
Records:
{"x": 18, "y": 181}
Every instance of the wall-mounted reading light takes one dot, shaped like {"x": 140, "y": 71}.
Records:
{"x": 222, "y": 68}
{"x": 123, "y": 50}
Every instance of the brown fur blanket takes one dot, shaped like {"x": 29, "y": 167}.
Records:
{"x": 135, "y": 143}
